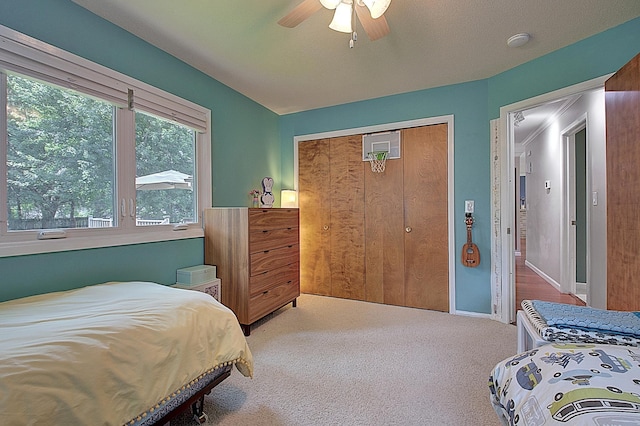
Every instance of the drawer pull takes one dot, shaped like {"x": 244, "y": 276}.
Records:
{"x": 265, "y": 231}
{"x": 266, "y": 251}
{"x": 289, "y": 282}
{"x": 265, "y": 292}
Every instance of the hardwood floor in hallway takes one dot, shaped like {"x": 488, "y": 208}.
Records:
{"x": 530, "y": 285}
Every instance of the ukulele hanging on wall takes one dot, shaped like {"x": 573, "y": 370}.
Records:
{"x": 470, "y": 252}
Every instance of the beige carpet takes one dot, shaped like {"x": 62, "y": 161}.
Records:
{"x": 342, "y": 362}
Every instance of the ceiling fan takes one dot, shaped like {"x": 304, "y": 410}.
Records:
{"x": 369, "y": 12}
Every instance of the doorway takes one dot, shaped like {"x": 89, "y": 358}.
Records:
{"x": 553, "y": 190}
{"x": 578, "y": 214}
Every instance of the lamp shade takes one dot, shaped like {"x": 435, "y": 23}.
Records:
{"x": 377, "y": 7}
{"x": 288, "y": 198}
{"x": 342, "y": 18}
{"x": 330, "y": 4}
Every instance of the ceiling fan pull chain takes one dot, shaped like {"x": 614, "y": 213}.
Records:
{"x": 354, "y": 34}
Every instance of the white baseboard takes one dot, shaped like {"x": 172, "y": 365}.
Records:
{"x": 544, "y": 276}
{"x": 473, "y": 314}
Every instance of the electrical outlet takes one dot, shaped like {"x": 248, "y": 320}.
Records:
{"x": 468, "y": 206}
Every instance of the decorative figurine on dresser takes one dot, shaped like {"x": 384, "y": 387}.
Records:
{"x": 267, "y": 194}
{"x": 257, "y": 256}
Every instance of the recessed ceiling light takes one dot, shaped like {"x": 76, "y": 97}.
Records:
{"x": 518, "y": 40}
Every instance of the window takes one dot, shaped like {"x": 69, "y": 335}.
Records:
{"x": 59, "y": 157}
{"x": 91, "y": 157}
{"x": 164, "y": 171}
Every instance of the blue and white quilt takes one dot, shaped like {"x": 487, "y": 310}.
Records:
{"x": 568, "y": 384}
{"x": 562, "y": 315}
{"x": 558, "y": 322}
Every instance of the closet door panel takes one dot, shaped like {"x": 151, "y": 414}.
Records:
{"x": 622, "y": 105}
{"x": 424, "y": 152}
{"x": 314, "y": 202}
{"x": 346, "y": 186}
{"x": 384, "y": 234}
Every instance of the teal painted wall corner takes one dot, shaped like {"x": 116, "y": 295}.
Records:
{"x": 467, "y": 102}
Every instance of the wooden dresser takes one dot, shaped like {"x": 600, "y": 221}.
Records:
{"x": 257, "y": 255}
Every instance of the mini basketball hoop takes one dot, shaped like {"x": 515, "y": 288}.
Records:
{"x": 377, "y": 160}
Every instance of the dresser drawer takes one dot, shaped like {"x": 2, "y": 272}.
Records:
{"x": 273, "y": 259}
{"x": 272, "y": 238}
{"x": 273, "y": 278}
{"x": 261, "y": 219}
{"x": 270, "y": 300}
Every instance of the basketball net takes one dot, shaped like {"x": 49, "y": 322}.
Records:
{"x": 377, "y": 160}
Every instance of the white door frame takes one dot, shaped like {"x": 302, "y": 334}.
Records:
{"x": 445, "y": 119}
{"x": 568, "y": 231}
{"x": 506, "y": 301}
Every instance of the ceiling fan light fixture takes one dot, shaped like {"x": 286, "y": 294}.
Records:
{"x": 377, "y": 7}
{"x": 330, "y": 4}
{"x": 342, "y": 18}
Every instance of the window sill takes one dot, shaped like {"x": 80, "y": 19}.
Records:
{"x": 20, "y": 248}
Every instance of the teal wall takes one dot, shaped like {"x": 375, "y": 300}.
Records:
{"x": 245, "y": 147}
{"x": 250, "y": 142}
{"x": 42, "y": 273}
{"x": 468, "y": 103}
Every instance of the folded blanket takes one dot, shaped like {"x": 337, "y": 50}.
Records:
{"x": 561, "y": 315}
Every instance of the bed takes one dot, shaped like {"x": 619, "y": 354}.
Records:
{"x": 540, "y": 323}
{"x": 568, "y": 383}
{"x": 131, "y": 353}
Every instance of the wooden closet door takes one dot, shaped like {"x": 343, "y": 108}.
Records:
{"x": 384, "y": 234}
{"x": 622, "y": 102}
{"x": 314, "y": 202}
{"x": 426, "y": 249}
{"x": 346, "y": 190}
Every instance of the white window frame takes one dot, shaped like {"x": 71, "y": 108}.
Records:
{"x": 27, "y": 56}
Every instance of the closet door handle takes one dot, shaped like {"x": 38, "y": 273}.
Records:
{"x": 325, "y": 228}
{"x": 408, "y": 229}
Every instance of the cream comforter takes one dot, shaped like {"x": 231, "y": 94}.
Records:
{"x": 103, "y": 354}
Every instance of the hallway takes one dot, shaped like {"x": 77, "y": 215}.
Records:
{"x": 531, "y": 286}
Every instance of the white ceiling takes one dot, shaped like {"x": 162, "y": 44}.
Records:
{"x": 432, "y": 43}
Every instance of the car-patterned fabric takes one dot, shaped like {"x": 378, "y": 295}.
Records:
{"x": 568, "y": 384}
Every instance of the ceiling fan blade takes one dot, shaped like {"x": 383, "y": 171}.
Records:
{"x": 375, "y": 28}
{"x": 300, "y": 13}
